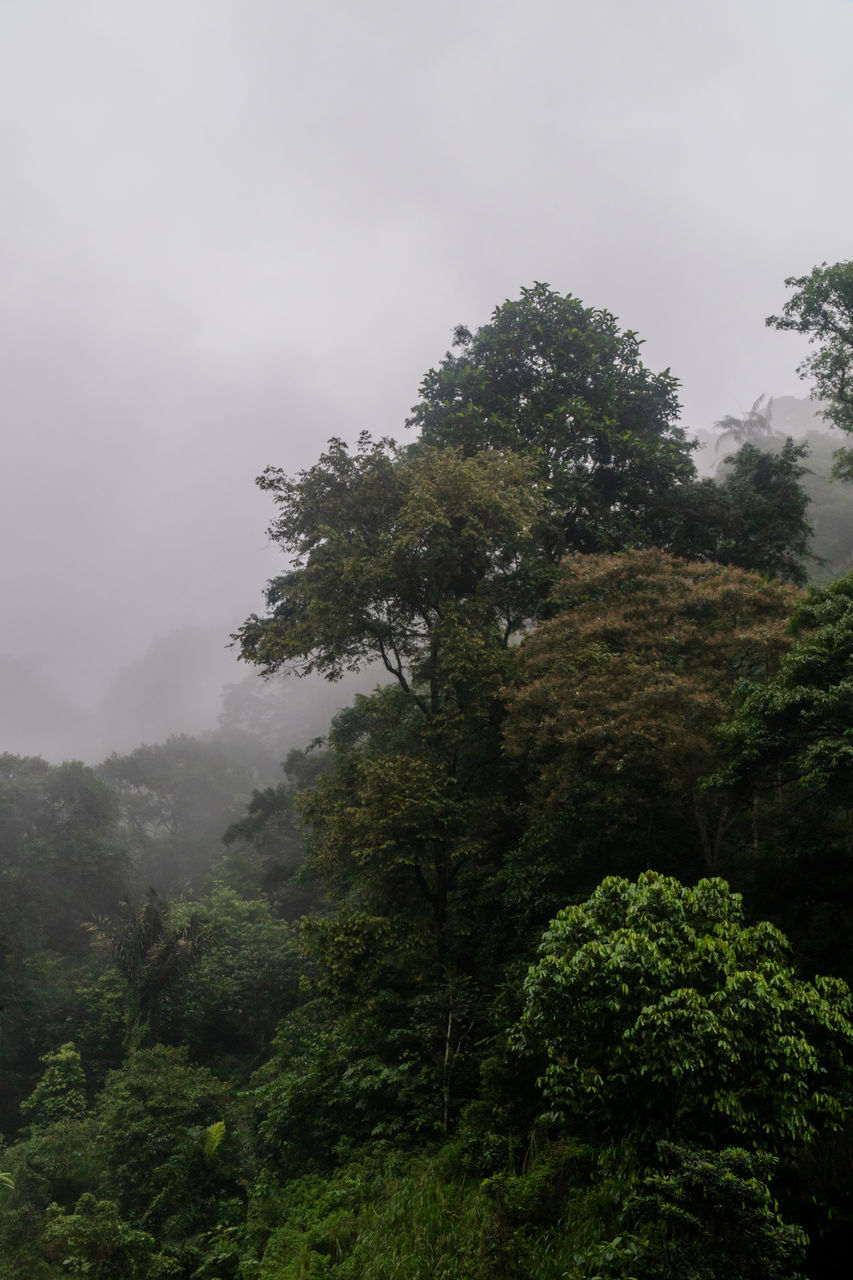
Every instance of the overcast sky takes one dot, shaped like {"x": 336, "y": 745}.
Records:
{"x": 233, "y": 228}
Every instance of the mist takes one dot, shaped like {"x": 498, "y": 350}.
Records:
{"x": 230, "y": 232}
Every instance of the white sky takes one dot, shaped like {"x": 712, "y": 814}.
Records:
{"x": 230, "y": 229}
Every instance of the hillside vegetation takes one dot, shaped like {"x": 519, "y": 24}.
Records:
{"x": 536, "y": 965}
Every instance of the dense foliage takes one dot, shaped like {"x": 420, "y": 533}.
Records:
{"x": 464, "y": 994}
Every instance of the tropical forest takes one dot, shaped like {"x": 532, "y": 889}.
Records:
{"x": 535, "y": 964}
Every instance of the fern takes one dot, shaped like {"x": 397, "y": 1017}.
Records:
{"x": 213, "y": 1135}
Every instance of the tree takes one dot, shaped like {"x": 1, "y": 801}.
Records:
{"x": 763, "y": 523}
{"x": 821, "y": 308}
{"x": 830, "y": 511}
{"x": 427, "y": 563}
{"x": 788, "y": 756}
{"x": 797, "y": 729}
{"x": 154, "y": 1118}
{"x": 61, "y": 1092}
{"x": 94, "y": 1241}
{"x": 563, "y": 384}
{"x": 615, "y": 705}
{"x": 662, "y": 1014}
{"x": 409, "y": 808}
{"x": 754, "y": 427}
{"x": 397, "y": 559}
{"x": 712, "y": 1214}
{"x": 150, "y": 955}
{"x": 227, "y": 1002}
{"x": 755, "y": 517}
{"x": 176, "y": 799}
{"x": 62, "y": 855}
{"x": 265, "y": 848}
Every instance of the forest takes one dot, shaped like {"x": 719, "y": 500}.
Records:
{"x": 536, "y": 965}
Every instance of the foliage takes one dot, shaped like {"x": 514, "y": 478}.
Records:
{"x": 265, "y": 848}
{"x": 711, "y": 1213}
{"x": 436, "y": 551}
{"x": 616, "y": 702}
{"x": 93, "y": 1241}
{"x": 225, "y": 1005}
{"x": 62, "y": 856}
{"x": 559, "y": 382}
{"x": 798, "y": 727}
{"x": 395, "y": 1085}
{"x": 153, "y": 1117}
{"x": 372, "y": 1073}
{"x": 54, "y": 1163}
{"x": 755, "y": 517}
{"x": 762, "y": 523}
{"x": 176, "y": 799}
{"x": 407, "y": 815}
{"x": 562, "y": 383}
{"x": 431, "y": 549}
{"x": 40, "y": 1000}
{"x": 830, "y": 510}
{"x": 213, "y": 1135}
{"x": 685, "y": 1021}
{"x": 752, "y": 428}
{"x": 821, "y": 307}
{"x": 61, "y": 1092}
{"x": 150, "y": 955}
{"x": 380, "y": 1216}
{"x": 61, "y": 852}
{"x": 694, "y": 1213}
{"x": 421, "y": 1226}
{"x": 784, "y": 767}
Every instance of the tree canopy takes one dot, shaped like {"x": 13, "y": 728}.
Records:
{"x": 563, "y": 384}
{"x": 397, "y": 558}
{"x": 618, "y": 696}
{"x": 798, "y": 727}
{"x": 685, "y": 1021}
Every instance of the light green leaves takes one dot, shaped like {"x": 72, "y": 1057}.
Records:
{"x": 662, "y": 1013}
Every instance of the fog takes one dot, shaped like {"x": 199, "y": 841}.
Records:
{"x": 229, "y": 231}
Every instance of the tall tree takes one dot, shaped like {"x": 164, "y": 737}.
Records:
{"x": 562, "y": 383}
{"x": 615, "y": 709}
{"x": 752, "y": 428}
{"x": 405, "y": 560}
{"x": 428, "y": 563}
